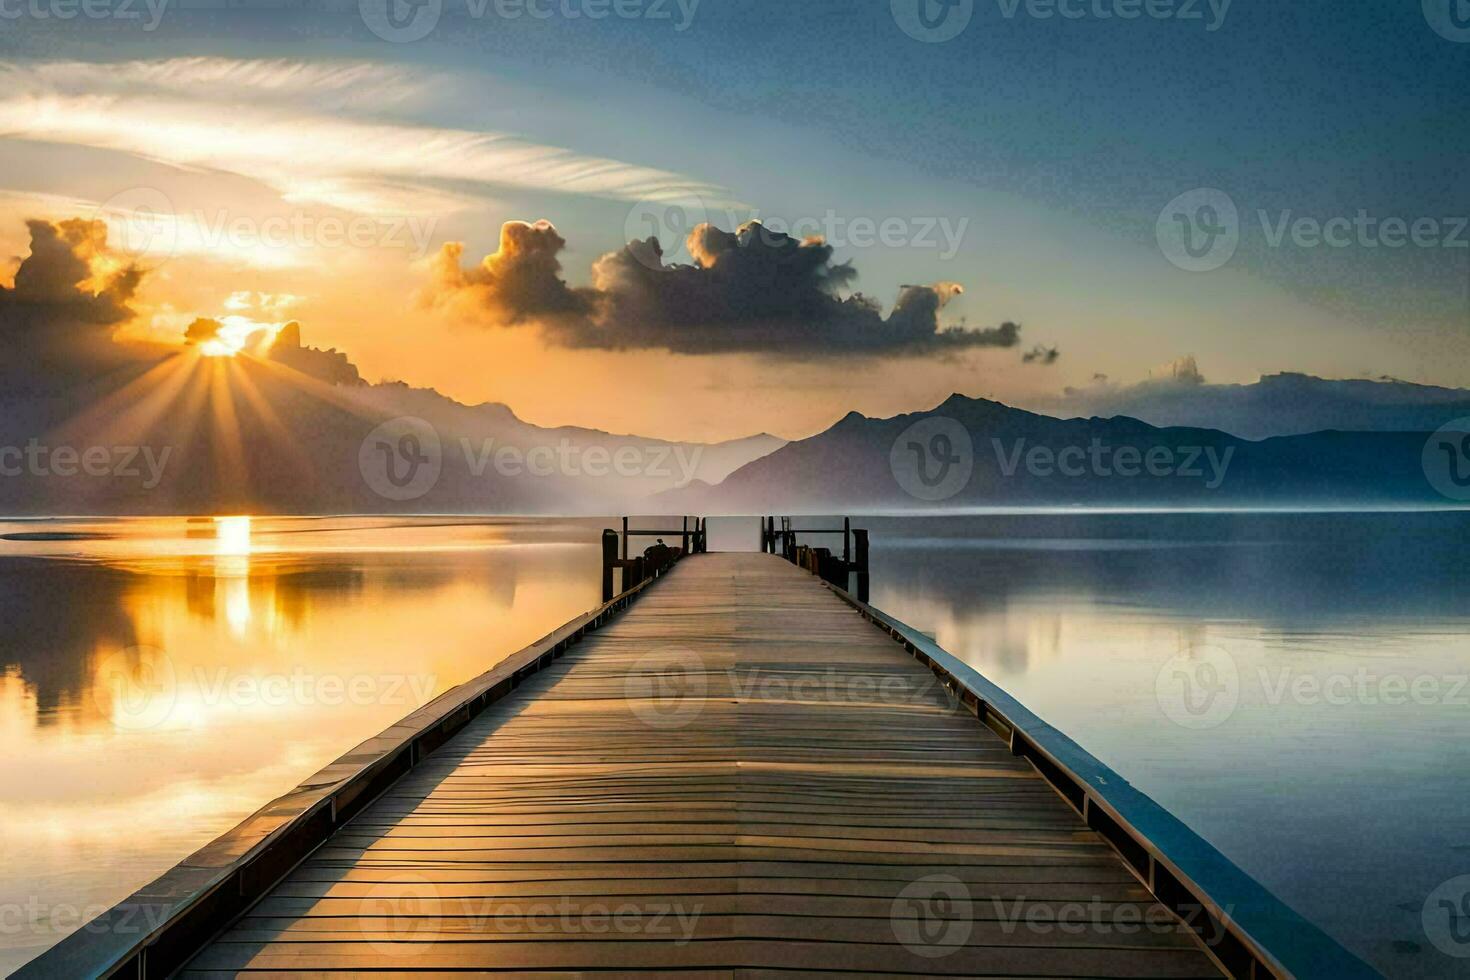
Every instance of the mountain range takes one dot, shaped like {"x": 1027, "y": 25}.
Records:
{"x": 1277, "y": 405}
{"x": 298, "y": 431}
{"x": 972, "y": 453}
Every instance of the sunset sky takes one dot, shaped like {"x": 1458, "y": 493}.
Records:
{"x": 308, "y": 169}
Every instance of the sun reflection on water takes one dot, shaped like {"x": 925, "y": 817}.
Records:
{"x": 232, "y": 546}
{"x": 162, "y": 678}
{"x": 232, "y": 536}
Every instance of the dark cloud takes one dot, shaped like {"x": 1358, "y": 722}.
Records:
{"x": 57, "y": 320}
{"x": 1041, "y": 354}
{"x": 751, "y": 290}
{"x": 57, "y": 301}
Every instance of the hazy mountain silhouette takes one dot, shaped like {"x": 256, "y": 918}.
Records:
{"x": 1276, "y": 405}
{"x": 1017, "y": 459}
{"x": 249, "y": 435}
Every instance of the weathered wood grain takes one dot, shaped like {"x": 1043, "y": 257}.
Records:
{"x": 740, "y": 775}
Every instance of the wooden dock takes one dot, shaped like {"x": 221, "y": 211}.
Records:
{"x": 750, "y": 775}
{"x": 743, "y": 773}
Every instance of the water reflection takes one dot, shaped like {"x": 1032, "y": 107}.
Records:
{"x": 1322, "y": 770}
{"x": 159, "y": 680}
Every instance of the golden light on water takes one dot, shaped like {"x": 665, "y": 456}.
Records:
{"x": 232, "y": 535}
{"x": 232, "y": 546}
{"x": 211, "y": 664}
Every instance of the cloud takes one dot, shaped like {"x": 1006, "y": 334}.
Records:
{"x": 1184, "y": 371}
{"x": 520, "y": 281}
{"x": 68, "y": 297}
{"x": 333, "y": 84}
{"x": 1180, "y": 375}
{"x": 1041, "y": 354}
{"x": 1177, "y": 394}
{"x": 202, "y": 330}
{"x": 297, "y": 133}
{"x": 71, "y": 295}
{"x": 753, "y": 290}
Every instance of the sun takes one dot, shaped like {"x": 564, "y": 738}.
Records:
{"x": 237, "y": 334}
{"x": 219, "y": 347}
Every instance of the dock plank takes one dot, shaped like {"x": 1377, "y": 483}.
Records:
{"x": 740, "y": 774}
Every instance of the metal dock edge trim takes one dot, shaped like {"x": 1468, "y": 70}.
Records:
{"x": 154, "y": 932}
{"x": 1264, "y": 936}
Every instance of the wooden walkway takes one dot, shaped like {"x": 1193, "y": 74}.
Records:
{"x": 738, "y": 774}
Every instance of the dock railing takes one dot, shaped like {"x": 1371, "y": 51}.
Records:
{"x": 693, "y": 539}
{"x": 1250, "y": 932}
{"x": 823, "y": 562}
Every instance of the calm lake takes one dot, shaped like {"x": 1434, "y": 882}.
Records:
{"x": 1293, "y": 686}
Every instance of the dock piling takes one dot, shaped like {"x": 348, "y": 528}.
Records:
{"x": 652, "y": 561}
{"x": 609, "y": 562}
{"x": 853, "y": 564}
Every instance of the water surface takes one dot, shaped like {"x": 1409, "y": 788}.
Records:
{"x": 1333, "y": 762}
{"x": 162, "y": 679}
{"x": 1256, "y": 674}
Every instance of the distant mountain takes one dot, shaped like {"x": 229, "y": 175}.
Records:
{"x": 303, "y": 434}
{"x": 493, "y": 420}
{"x": 978, "y": 453}
{"x": 1277, "y": 405}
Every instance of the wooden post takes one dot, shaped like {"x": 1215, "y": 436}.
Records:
{"x": 684, "y": 545}
{"x": 625, "y": 539}
{"x": 846, "y": 533}
{"x": 609, "y": 559}
{"x": 860, "y": 542}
